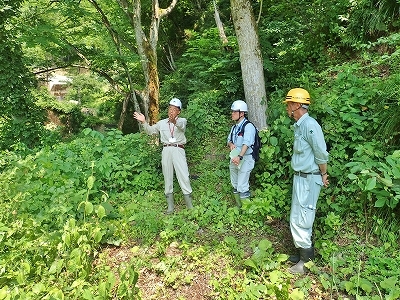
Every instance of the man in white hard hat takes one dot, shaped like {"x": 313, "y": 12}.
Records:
{"x": 239, "y": 142}
{"x": 172, "y": 136}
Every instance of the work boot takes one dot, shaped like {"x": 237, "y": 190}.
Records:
{"x": 306, "y": 255}
{"x": 188, "y": 200}
{"x": 236, "y": 195}
{"x": 294, "y": 258}
{"x": 245, "y": 195}
{"x": 170, "y": 201}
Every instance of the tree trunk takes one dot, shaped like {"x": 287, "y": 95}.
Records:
{"x": 147, "y": 50}
{"x": 220, "y": 26}
{"x": 251, "y": 61}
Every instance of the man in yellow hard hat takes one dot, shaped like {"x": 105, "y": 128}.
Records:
{"x": 309, "y": 162}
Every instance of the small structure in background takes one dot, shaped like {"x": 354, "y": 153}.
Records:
{"x": 58, "y": 86}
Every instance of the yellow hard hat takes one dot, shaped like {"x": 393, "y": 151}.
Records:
{"x": 298, "y": 95}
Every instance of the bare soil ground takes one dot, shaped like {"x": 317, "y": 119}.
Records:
{"x": 152, "y": 284}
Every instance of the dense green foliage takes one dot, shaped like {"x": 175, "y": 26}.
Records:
{"x": 70, "y": 205}
{"x": 64, "y": 203}
{"x": 20, "y": 120}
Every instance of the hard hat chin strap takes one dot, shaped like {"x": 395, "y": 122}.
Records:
{"x": 292, "y": 114}
{"x": 239, "y": 116}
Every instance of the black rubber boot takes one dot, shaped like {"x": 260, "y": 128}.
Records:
{"x": 306, "y": 255}
{"x": 294, "y": 258}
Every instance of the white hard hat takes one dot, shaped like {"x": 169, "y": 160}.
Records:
{"x": 239, "y": 105}
{"x": 176, "y": 102}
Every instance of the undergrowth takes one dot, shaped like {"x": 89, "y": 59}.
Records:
{"x": 70, "y": 203}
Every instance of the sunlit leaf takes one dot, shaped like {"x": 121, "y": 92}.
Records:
{"x": 296, "y": 294}
{"x": 250, "y": 263}
{"x": 265, "y": 244}
{"x": 88, "y": 207}
{"x": 101, "y": 211}
{"x": 90, "y": 182}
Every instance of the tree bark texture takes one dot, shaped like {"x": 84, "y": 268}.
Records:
{"x": 220, "y": 26}
{"x": 251, "y": 61}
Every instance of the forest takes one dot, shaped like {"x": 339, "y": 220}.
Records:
{"x": 81, "y": 185}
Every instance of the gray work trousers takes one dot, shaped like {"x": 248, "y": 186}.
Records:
{"x": 304, "y": 203}
{"x": 240, "y": 177}
{"x": 174, "y": 159}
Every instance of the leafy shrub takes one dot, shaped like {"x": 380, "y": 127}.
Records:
{"x": 379, "y": 180}
{"x": 204, "y": 119}
{"x": 58, "y": 174}
{"x": 61, "y": 195}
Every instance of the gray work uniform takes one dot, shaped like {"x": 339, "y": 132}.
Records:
{"x": 173, "y": 155}
{"x": 309, "y": 151}
{"x": 240, "y": 177}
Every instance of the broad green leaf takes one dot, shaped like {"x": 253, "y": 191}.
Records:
{"x": 88, "y": 207}
{"x": 274, "y": 141}
{"x": 386, "y": 181}
{"x": 108, "y": 207}
{"x": 56, "y": 266}
{"x": 366, "y": 285}
{"x": 371, "y": 183}
{"x": 87, "y": 294}
{"x": 101, "y": 211}
{"x": 98, "y": 236}
{"x": 230, "y": 240}
{"x": 296, "y": 294}
{"x": 75, "y": 253}
{"x": 26, "y": 267}
{"x": 37, "y": 288}
{"x": 275, "y": 276}
{"x": 103, "y": 290}
{"x": 67, "y": 239}
{"x": 349, "y": 286}
{"x": 389, "y": 283}
{"x": 78, "y": 283}
{"x": 20, "y": 277}
{"x": 265, "y": 244}
{"x": 352, "y": 176}
{"x": 380, "y": 202}
{"x": 111, "y": 279}
{"x": 4, "y": 293}
{"x": 282, "y": 257}
{"x": 56, "y": 294}
{"x": 396, "y": 172}
{"x": 86, "y": 131}
{"x": 250, "y": 263}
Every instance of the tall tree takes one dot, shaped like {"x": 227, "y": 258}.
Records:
{"x": 107, "y": 37}
{"x": 147, "y": 49}
{"x": 250, "y": 60}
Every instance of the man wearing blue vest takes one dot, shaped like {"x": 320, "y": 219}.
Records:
{"x": 172, "y": 136}
{"x": 240, "y": 142}
{"x": 309, "y": 162}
